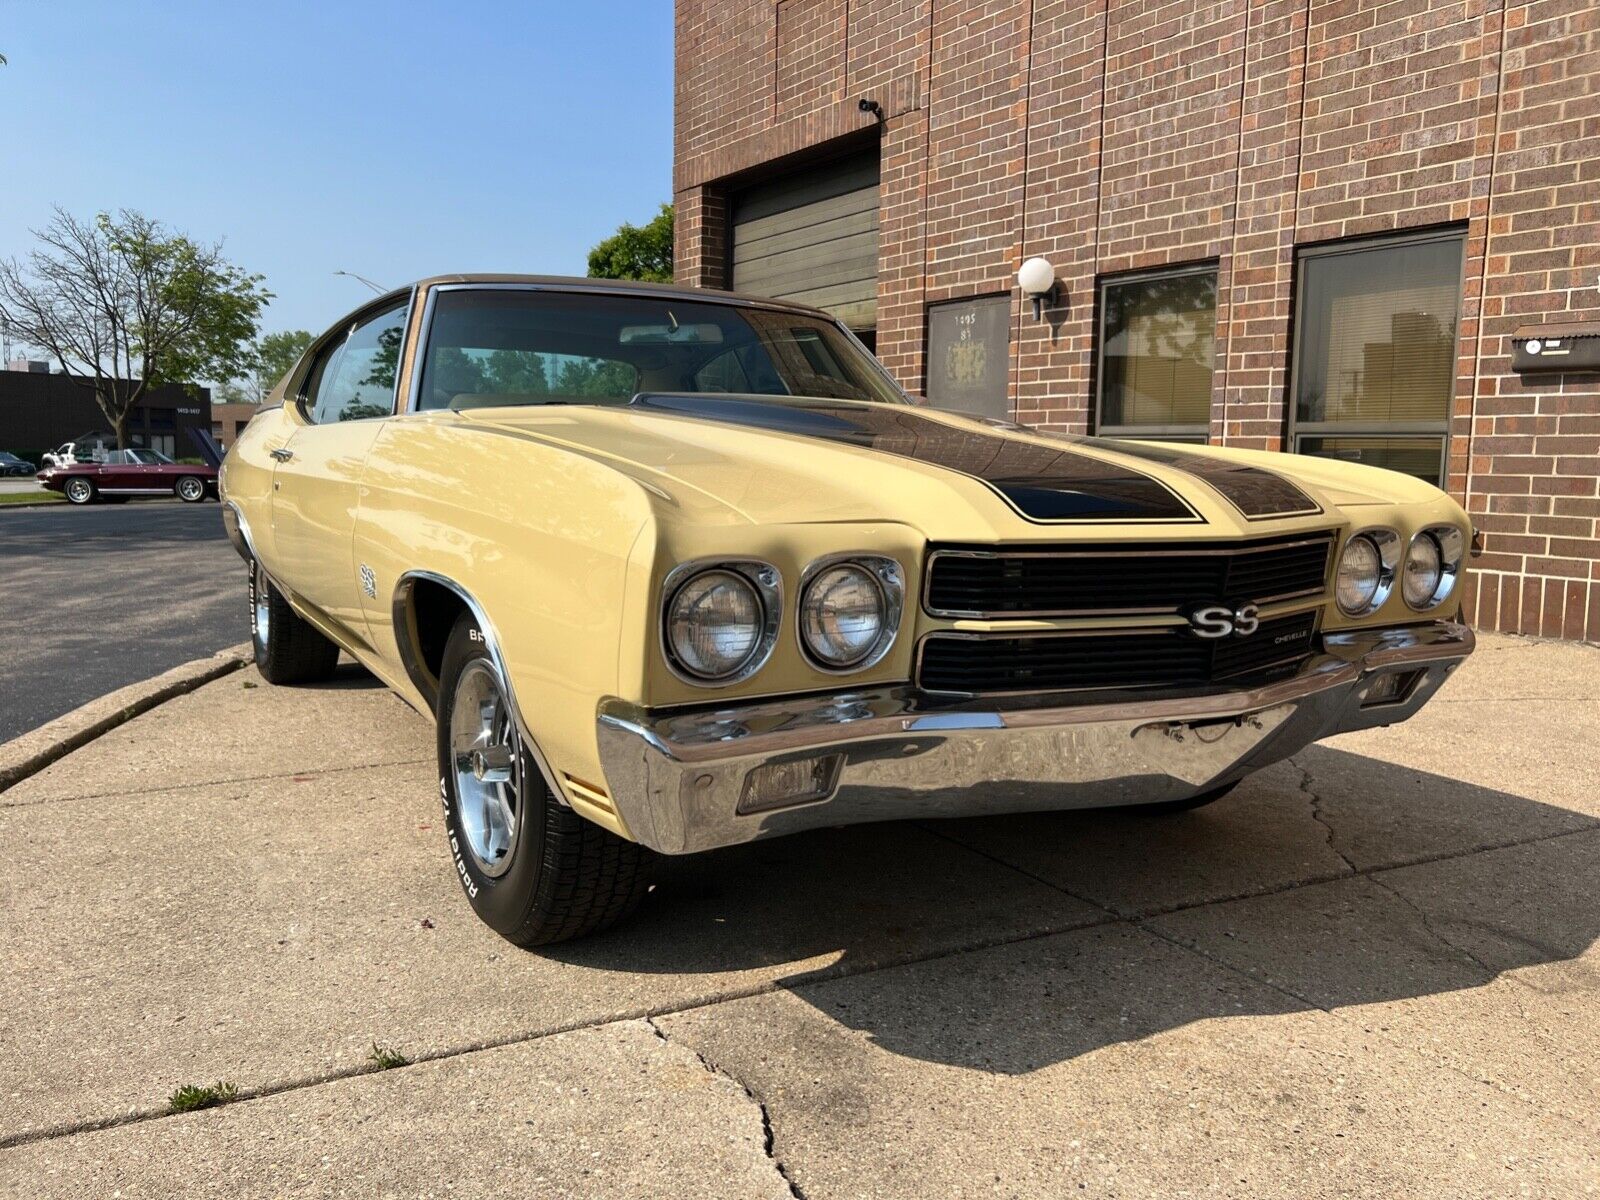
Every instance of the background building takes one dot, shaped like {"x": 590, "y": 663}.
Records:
{"x": 228, "y": 419}
{"x": 1316, "y": 227}
{"x": 40, "y": 411}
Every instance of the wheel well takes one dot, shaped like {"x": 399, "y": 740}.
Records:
{"x": 432, "y": 610}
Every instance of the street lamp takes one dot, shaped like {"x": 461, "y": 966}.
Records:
{"x": 362, "y": 279}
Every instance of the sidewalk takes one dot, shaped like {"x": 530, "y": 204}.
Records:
{"x": 1371, "y": 971}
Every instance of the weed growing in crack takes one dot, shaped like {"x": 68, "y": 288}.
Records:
{"x": 192, "y": 1096}
{"x": 386, "y": 1058}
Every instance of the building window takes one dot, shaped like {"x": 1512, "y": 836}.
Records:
{"x": 1375, "y": 351}
{"x": 969, "y": 355}
{"x": 1157, "y": 347}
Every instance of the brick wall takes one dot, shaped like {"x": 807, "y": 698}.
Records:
{"x": 1110, "y": 136}
{"x": 1534, "y": 448}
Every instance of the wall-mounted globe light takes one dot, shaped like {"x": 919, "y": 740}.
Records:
{"x": 1037, "y": 279}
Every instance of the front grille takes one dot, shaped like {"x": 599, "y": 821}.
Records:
{"x": 1168, "y": 658}
{"x": 1130, "y": 578}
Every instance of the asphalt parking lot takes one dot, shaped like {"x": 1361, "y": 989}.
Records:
{"x": 99, "y": 597}
{"x": 1371, "y": 971}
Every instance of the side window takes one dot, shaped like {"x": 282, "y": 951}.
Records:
{"x": 355, "y": 378}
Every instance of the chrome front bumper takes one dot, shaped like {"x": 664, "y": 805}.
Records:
{"x": 677, "y": 778}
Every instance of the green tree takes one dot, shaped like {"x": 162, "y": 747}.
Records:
{"x": 454, "y": 372}
{"x": 234, "y": 392}
{"x": 276, "y": 355}
{"x": 123, "y": 305}
{"x": 636, "y": 251}
{"x": 596, "y": 377}
{"x": 518, "y": 373}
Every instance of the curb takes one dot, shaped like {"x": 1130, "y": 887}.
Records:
{"x": 35, "y": 750}
{"x": 27, "y": 504}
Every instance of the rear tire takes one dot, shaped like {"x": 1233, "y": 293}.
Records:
{"x": 533, "y": 870}
{"x": 80, "y": 491}
{"x": 289, "y": 649}
{"x": 191, "y": 489}
{"x": 1169, "y": 808}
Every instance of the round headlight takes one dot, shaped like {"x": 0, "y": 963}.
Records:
{"x": 842, "y": 615}
{"x": 1360, "y": 575}
{"x": 714, "y": 624}
{"x": 1424, "y": 571}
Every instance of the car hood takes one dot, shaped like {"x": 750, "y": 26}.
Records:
{"x": 768, "y": 459}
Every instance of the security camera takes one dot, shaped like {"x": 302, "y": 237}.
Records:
{"x": 870, "y": 106}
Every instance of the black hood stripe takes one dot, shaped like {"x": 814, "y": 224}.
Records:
{"x": 1258, "y": 494}
{"x": 1042, "y": 483}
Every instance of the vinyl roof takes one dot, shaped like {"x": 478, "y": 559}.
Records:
{"x": 622, "y": 286}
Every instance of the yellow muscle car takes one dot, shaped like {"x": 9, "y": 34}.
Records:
{"x": 673, "y": 569}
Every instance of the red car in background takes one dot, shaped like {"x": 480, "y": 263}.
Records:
{"x": 125, "y": 473}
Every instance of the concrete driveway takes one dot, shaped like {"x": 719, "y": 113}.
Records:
{"x": 1370, "y": 972}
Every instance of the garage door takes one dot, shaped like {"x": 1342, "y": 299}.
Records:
{"x": 812, "y": 237}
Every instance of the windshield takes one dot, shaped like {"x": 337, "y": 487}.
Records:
{"x": 499, "y": 347}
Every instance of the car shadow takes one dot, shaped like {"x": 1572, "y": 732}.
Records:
{"x": 349, "y": 676}
{"x": 1384, "y": 884}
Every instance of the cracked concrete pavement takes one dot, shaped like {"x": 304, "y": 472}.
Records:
{"x": 1369, "y": 971}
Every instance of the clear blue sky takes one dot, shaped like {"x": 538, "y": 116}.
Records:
{"x": 392, "y": 139}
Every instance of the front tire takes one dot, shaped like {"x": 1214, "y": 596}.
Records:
{"x": 534, "y": 871}
{"x": 80, "y": 491}
{"x": 191, "y": 489}
{"x": 288, "y": 648}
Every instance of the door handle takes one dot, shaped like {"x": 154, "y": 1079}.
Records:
{"x": 282, "y": 454}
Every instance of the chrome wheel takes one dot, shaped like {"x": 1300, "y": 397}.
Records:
{"x": 260, "y": 608}
{"x": 190, "y": 489}
{"x": 487, "y": 764}
{"x": 79, "y": 491}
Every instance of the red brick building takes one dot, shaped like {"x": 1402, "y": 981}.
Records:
{"x": 1312, "y": 225}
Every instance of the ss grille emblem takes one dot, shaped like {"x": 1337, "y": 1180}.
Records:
{"x": 1220, "y": 621}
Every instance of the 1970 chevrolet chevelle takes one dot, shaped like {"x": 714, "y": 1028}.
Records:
{"x": 674, "y": 569}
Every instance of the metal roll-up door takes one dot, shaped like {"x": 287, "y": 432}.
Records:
{"x": 812, "y": 237}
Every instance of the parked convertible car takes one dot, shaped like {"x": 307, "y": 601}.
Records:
{"x": 675, "y": 569}
{"x": 126, "y": 473}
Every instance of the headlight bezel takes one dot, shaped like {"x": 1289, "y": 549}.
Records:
{"x": 764, "y": 579}
{"x": 886, "y": 574}
{"x": 1451, "y": 545}
{"x": 1388, "y": 545}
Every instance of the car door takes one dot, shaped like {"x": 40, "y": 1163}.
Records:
{"x": 316, "y": 483}
{"x": 117, "y": 474}
{"x": 144, "y": 470}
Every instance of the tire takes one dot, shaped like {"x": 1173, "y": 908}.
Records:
{"x": 288, "y": 648}
{"x": 80, "y": 490}
{"x": 533, "y": 870}
{"x": 191, "y": 489}
{"x": 1170, "y": 808}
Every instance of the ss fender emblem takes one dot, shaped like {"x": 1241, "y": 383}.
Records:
{"x": 1220, "y": 621}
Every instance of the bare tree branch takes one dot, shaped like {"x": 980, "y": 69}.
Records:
{"x": 107, "y": 296}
